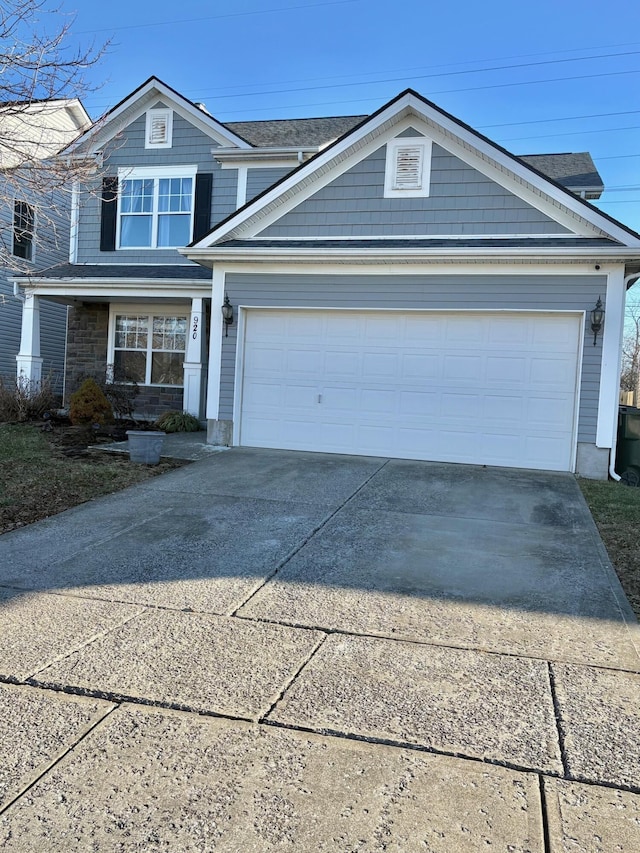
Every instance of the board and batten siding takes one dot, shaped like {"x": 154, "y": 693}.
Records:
{"x": 190, "y": 147}
{"x": 435, "y": 292}
{"x": 462, "y": 201}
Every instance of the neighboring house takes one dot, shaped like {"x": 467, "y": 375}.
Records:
{"x": 33, "y": 133}
{"x": 400, "y": 285}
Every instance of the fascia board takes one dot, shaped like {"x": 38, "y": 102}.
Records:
{"x": 116, "y": 288}
{"x": 146, "y": 94}
{"x": 206, "y": 257}
{"x": 479, "y": 149}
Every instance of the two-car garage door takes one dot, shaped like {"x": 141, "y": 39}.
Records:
{"x": 474, "y": 387}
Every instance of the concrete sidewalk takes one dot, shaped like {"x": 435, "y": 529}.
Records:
{"x": 270, "y": 651}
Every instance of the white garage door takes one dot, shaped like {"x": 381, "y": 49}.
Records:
{"x": 495, "y": 389}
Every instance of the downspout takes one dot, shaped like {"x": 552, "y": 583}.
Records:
{"x": 614, "y": 444}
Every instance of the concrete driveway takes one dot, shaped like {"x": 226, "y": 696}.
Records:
{"x": 269, "y": 651}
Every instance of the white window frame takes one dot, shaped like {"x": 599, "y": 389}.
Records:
{"x": 167, "y": 114}
{"x": 154, "y": 173}
{"x": 393, "y": 146}
{"x": 126, "y": 309}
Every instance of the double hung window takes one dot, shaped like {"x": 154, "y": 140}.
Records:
{"x": 24, "y": 218}
{"x": 155, "y": 210}
{"x": 149, "y": 348}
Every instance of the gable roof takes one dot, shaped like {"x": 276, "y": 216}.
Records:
{"x": 411, "y": 103}
{"x": 294, "y": 131}
{"x": 135, "y": 104}
{"x": 576, "y": 172}
{"x": 38, "y": 129}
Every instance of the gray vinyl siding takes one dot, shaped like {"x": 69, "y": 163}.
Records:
{"x": 53, "y": 328}
{"x": 259, "y": 179}
{"x": 51, "y": 247}
{"x": 462, "y": 201}
{"x": 456, "y": 292}
{"x": 190, "y": 147}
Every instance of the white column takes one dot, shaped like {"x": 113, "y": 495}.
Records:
{"x": 611, "y": 358}
{"x": 215, "y": 346}
{"x": 29, "y": 363}
{"x": 196, "y": 334}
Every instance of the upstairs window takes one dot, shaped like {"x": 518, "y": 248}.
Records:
{"x": 155, "y": 211}
{"x": 159, "y": 129}
{"x": 408, "y": 167}
{"x": 24, "y": 219}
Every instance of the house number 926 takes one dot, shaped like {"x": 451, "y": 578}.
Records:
{"x": 194, "y": 330}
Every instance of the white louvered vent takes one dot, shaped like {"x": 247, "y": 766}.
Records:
{"x": 159, "y": 127}
{"x": 158, "y": 130}
{"x": 408, "y": 168}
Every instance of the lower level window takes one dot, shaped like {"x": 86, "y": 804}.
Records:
{"x": 150, "y": 348}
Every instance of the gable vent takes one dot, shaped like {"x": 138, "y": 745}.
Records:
{"x": 408, "y": 168}
{"x": 159, "y": 129}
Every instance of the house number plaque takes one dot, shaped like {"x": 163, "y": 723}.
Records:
{"x": 194, "y": 329}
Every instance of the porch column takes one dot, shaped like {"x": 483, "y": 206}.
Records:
{"x": 29, "y": 362}
{"x": 196, "y": 334}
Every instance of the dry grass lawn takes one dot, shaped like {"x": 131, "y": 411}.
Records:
{"x": 38, "y": 479}
{"x": 616, "y": 510}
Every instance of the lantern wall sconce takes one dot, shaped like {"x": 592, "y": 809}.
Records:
{"x": 597, "y": 318}
{"x": 227, "y": 315}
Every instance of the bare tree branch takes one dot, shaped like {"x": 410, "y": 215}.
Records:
{"x": 42, "y": 81}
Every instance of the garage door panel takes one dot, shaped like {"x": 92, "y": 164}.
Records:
{"x": 378, "y": 366}
{"x": 484, "y": 389}
{"x": 505, "y": 368}
{"x": 465, "y": 367}
{"x": 418, "y": 402}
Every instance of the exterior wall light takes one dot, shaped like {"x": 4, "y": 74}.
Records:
{"x": 227, "y": 314}
{"x": 597, "y": 318}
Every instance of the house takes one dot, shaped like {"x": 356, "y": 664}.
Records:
{"x": 30, "y": 238}
{"x": 390, "y": 285}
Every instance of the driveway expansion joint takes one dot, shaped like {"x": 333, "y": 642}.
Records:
{"x": 546, "y": 837}
{"x": 83, "y": 645}
{"x": 557, "y": 712}
{"x": 63, "y": 753}
{"x": 261, "y": 584}
{"x": 293, "y": 678}
{"x": 121, "y": 698}
{"x": 414, "y": 747}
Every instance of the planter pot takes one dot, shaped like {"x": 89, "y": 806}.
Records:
{"x": 145, "y": 446}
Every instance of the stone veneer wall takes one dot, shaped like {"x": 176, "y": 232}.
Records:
{"x": 87, "y": 356}
{"x": 152, "y": 401}
{"x": 86, "y": 343}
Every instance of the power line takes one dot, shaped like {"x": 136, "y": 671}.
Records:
{"x": 449, "y": 91}
{"x": 570, "y": 133}
{"x": 149, "y": 24}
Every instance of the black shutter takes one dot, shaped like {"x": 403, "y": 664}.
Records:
{"x": 202, "y": 212}
{"x": 109, "y": 214}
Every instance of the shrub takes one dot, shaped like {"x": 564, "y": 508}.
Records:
{"x": 89, "y": 405}
{"x": 23, "y": 400}
{"x": 119, "y": 389}
{"x": 178, "y": 422}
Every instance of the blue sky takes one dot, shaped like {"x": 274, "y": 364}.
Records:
{"x": 558, "y": 75}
